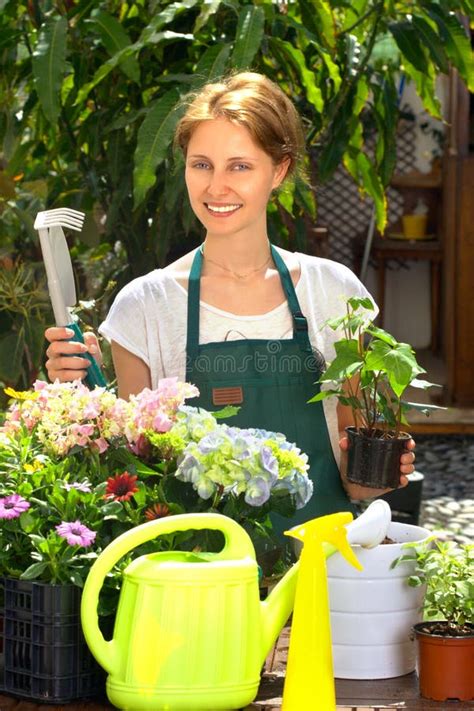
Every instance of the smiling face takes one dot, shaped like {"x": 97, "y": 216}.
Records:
{"x": 229, "y": 178}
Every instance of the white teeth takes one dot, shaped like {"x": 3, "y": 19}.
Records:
{"x": 222, "y": 208}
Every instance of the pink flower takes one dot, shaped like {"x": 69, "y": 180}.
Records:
{"x": 76, "y": 534}
{"x": 101, "y": 444}
{"x": 13, "y": 506}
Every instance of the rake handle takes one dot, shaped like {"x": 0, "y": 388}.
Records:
{"x": 94, "y": 374}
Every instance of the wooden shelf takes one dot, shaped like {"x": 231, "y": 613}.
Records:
{"x": 416, "y": 181}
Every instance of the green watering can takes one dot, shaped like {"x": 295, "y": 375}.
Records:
{"x": 190, "y": 632}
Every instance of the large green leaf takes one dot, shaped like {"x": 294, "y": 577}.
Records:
{"x": 49, "y": 62}
{"x": 248, "y": 37}
{"x": 123, "y": 55}
{"x": 114, "y": 38}
{"x": 433, "y": 42}
{"x": 408, "y": 41}
{"x": 307, "y": 77}
{"x": 346, "y": 363}
{"x": 399, "y": 364}
{"x": 317, "y": 16}
{"x": 456, "y": 42}
{"x": 153, "y": 142}
{"x": 211, "y": 64}
{"x": 425, "y": 83}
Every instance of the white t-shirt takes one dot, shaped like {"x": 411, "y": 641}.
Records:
{"x": 149, "y": 319}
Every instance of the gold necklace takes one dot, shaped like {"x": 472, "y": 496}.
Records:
{"x": 231, "y": 271}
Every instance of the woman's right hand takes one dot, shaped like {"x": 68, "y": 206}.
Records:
{"x": 65, "y": 361}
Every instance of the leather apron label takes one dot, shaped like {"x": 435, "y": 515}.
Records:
{"x": 228, "y": 396}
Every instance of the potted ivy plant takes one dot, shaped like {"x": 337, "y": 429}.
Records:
{"x": 445, "y": 638}
{"x": 370, "y": 373}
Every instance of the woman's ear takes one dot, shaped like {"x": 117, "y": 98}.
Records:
{"x": 280, "y": 172}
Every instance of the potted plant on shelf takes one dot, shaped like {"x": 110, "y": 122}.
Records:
{"x": 445, "y": 638}
{"x": 80, "y": 467}
{"x": 370, "y": 373}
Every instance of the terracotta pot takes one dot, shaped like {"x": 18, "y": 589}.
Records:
{"x": 445, "y": 665}
{"x": 373, "y": 461}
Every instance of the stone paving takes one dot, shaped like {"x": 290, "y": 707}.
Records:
{"x": 447, "y": 463}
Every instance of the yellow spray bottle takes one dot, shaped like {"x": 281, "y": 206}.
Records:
{"x": 309, "y": 677}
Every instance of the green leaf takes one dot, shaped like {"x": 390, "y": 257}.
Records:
{"x": 455, "y": 41}
{"x": 382, "y": 335}
{"x": 153, "y": 141}
{"x": 356, "y": 302}
{"x": 423, "y": 384}
{"x": 114, "y": 38}
{"x": 346, "y": 363}
{"x": 34, "y": 571}
{"x": 433, "y": 42}
{"x": 122, "y": 56}
{"x": 211, "y": 64}
{"x": 425, "y": 83}
{"x": 307, "y": 77}
{"x": 397, "y": 362}
{"x": 167, "y": 16}
{"x": 318, "y": 17}
{"x": 305, "y": 196}
{"x": 49, "y": 63}
{"x": 12, "y": 346}
{"x": 34, "y": 338}
{"x": 227, "y": 411}
{"x": 76, "y": 579}
{"x": 367, "y": 178}
{"x": 248, "y": 36}
{"x": 408, "y": 41}
{"x": 209, "y": 8}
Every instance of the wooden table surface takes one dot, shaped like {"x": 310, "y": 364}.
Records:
{"x": 371, "y": 695}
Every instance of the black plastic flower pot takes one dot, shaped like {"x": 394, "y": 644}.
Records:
{"x": 45, "y": 654}
{"x": 374, "y": 460}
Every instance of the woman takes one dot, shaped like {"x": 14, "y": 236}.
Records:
{"x": 241, "y": 319}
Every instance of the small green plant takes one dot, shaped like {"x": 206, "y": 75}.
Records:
{"x": 370, "y": 373}
{"x": 447, "y": 569}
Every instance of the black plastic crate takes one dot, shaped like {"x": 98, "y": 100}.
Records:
{"x": 45, "y": 654}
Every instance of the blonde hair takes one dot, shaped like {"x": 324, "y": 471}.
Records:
{"x": 255, "y": 102}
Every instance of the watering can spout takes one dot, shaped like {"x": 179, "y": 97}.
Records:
{"x": 277, "y": 608}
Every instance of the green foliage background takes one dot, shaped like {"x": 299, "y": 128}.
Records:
{"x": 90, "y": 93}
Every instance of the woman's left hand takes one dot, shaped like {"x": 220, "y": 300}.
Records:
{"x": 356, "y": 491}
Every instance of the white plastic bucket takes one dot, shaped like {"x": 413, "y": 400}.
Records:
{"x": 373, "y": 611}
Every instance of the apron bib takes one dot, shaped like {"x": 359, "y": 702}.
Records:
{"x": 271, "y": 381}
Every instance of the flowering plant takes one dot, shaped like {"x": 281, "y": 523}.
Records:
{"x": 79, "y": 467}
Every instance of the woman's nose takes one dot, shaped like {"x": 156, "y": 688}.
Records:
{"x": 217, "y": 184}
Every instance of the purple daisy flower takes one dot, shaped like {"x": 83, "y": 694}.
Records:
{"x": 13, "y": 506}
{"x": 76, "y": 534}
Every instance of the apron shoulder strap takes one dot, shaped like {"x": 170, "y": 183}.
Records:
{"x": 194, "y": 295}
{"x": 300, "y": 324}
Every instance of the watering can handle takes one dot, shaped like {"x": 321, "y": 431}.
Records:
{"x": 237, "y": 546}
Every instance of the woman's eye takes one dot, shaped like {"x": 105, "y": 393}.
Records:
{"x": 201, "y": 165}
{"x": 241, "y": 166}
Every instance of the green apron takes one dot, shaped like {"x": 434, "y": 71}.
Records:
{"x": 271, "y": 381}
